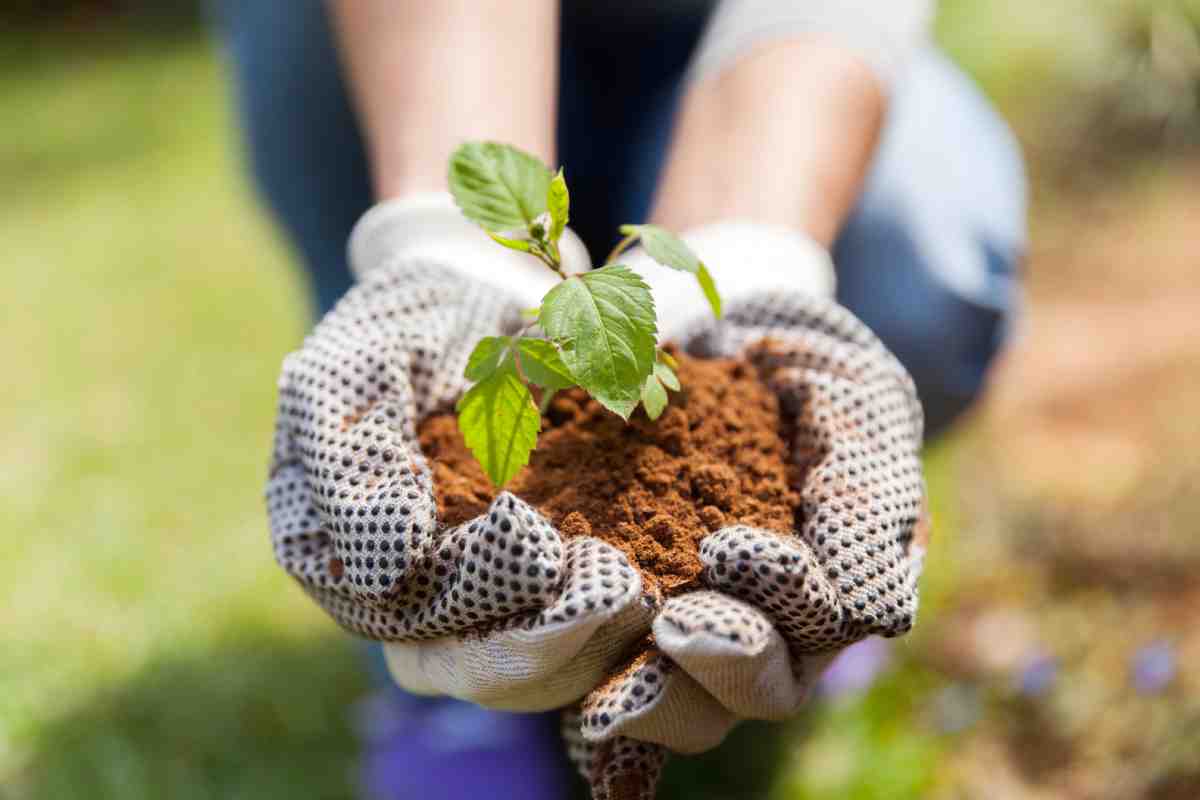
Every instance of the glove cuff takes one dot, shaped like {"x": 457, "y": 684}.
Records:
{"x": 744, "y": 258}
{"x": 428, "y": 226}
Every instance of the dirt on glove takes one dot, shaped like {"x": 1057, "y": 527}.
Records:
{"x": 718, "y": 455}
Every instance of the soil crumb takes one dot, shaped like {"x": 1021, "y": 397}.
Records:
{"x": 716, "y": 456}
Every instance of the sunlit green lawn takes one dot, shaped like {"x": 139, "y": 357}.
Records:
{"x": 148, "y": 640}
{"x": 151, "y": 648}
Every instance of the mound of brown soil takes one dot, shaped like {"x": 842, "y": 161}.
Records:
{"x": 716, "y": 456}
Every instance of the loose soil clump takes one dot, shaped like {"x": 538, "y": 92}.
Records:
{"x": 718, "y": 455}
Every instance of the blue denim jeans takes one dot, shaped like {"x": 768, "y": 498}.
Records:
{"x": 929, "y": 258}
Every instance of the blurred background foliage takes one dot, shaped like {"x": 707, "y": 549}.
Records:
{"x": 149, "y": 647}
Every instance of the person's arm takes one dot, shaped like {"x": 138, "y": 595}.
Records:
{"x": 783, "y": 137}
{"x": 783, "y": 110}
{"x": 427, "y": 76}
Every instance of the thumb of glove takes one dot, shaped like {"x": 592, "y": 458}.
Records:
{"x": 744, "y": 258}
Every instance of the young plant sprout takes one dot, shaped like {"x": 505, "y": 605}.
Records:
{"x": 600, "y": 328}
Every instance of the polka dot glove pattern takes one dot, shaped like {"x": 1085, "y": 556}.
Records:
{"x": 504, "y": 611}
{"x": 500, "y": 610}
{"x": 775, "y": 610}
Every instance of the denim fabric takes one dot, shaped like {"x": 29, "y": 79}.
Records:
{"x": 928, "y": 259}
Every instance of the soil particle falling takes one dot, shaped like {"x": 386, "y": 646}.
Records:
{"x": 716, "y": 456}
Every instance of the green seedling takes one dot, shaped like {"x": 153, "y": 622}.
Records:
{"x": 599, "y": 329}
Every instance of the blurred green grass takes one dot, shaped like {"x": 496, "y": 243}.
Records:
{"x": 149, "y": 640}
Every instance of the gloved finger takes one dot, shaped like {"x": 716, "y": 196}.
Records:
{"x": 653, "y": 700}
{"x": 350, "y": 497}
{"x": 781, "y": 577}
{"x": 735, "y": 653}
{"x": 858, "y": 432}
{"x": 616, "y": 769}
{"x": 415, "y": 582}
{"x": 850, "y": 571}
{"x": 544, "y": 659}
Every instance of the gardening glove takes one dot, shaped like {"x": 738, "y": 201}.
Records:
{"x": 774, "y": 610}
{"x": 501, "y": 610}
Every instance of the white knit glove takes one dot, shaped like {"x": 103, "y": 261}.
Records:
{"x": 775, "y": 610}
{"x": 744, "y": 258}
{"x": 506, "y": 612}
{"x": 430, "y": 227}
{"x": 350, "y": 496}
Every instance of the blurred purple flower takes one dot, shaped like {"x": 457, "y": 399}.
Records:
{"x": 1153, "y": 667}
{"x": 1038, "y": 675}
{"x": 856, "y": 668}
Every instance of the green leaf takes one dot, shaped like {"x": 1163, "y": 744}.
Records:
{"x": 668, "y": 359}
{"x": 485, "y": 357}
{"x": 498, "y": 186}
{"x": 654, "y": 397}
{"x": 665, "y": 247}
{"x": 499, "y": 423}
{"x": 709, "y": 287}
{"x": 543, "y": 365}
{"x": 666, "y": 375}
{"x": 604, "y": 326}
{"x": 558, "y": 202}
{"x": 524, "y": 245}
{"x": 669, "y": 250}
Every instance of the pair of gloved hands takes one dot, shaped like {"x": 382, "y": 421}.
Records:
{"x": 507, "y": 613}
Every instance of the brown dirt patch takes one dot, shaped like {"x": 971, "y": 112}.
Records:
{"x": 716, "y": 456}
